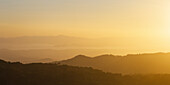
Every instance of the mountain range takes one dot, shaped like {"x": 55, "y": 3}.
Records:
{"x": 149, "y": 63}
{"x": 16, "y": 73}
{"x": 49, "y": 55}
{"x": 48, "y": 42}
{"x": 70, "y": 42}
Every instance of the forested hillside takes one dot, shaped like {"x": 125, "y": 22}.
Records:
{"x": 52, "y": 74}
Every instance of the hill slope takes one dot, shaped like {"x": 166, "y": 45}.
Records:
{"x": 130, "y": 64}
{"x": 52, "y": 74}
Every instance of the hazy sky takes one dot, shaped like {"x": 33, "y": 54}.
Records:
{"x": 85, "y": 18}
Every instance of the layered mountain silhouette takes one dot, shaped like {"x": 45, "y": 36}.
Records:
{"x": 16, "y": 73}
{"x": 47, "y": 55}
{"x": 39, "y": 42}
{"x": 48, "y": 42}
{"x": 63, "y": 42}
{"x": 130, "y": 64}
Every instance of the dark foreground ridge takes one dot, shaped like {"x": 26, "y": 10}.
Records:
{"x": 53, "y": 74}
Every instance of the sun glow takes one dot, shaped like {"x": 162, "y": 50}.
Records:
{"x": 166, "y": 32}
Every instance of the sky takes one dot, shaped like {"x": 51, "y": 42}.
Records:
{"x": 86, "y": 18}
{"x": 131, "y": 19}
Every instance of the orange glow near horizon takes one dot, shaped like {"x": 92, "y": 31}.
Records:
{"x": 146, "y": 20}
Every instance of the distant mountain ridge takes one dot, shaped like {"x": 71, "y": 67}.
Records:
{"x": 129, "y": 64}
{"x": 37, "y": 39}
{"x": 46, "y": 55}
{"x": 62, "y": 41}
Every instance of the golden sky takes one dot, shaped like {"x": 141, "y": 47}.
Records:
{"x": 85, "y": 18}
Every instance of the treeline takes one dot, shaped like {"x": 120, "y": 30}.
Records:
{"x": 53, "y": 74}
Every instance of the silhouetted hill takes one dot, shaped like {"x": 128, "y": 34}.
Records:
{"x": 46, "y": 55}
{"x": 15, "y": 73}
{"x": 130, "y": 64}
{"x": 51, "y": 74}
